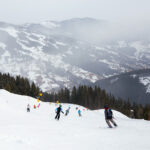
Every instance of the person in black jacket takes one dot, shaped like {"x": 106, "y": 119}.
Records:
{"x": 109, "y": 117}
{"x": 58, "y": 110}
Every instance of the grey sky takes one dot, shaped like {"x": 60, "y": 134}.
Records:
{"x": 21, "y": 11}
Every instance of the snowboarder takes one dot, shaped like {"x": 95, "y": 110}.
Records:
{"x": 67, "y": 111}
{"x": 79, "y": 113}
{"x": 109, "y": 117}
{"x": 58, "y": 110}
{"x": 28, "y": 108}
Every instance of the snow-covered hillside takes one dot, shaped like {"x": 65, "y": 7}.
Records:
{"x": 38, "y": 130}
{"x": 56, "y": 54}
{"x": 146, "y": 82}
{"x": 134, "y": 85}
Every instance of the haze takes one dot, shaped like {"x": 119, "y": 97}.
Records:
{"x": 22, "y": 11}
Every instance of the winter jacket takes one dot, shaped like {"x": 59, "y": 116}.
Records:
{"x": 79, "y": 112}
{"x": 59, "y": 109}
{"x": 108, "y": 113}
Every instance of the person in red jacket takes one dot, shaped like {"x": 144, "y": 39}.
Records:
{"x": 34, "y": 106}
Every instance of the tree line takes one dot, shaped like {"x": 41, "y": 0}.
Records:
{"x": 97, "y": 98}
{"x": 91, "y": 97}
{"x": 18, "y": 85}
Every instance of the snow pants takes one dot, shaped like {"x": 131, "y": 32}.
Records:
{"x": 57, "y": 116}
{"x": 28, "y": 109}
{"x": 112, "y": 121}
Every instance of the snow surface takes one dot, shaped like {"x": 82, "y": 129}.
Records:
{"x": 38, "y": 130}
{"x": 122, "y": 44}
{"x": 2, "y": 45}
{"x": 49, "y": 24}
{"x": 134, "y": 76}
{"x": 146, "y": 82}
{"x": 139, "y": 49}
{"x": 11, "y": 31}
{"x": 110, "y": 64}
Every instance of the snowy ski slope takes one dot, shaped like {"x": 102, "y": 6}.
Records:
{"x": 38, "y": 130}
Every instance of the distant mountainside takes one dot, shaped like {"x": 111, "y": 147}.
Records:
{"x": 63, "y": 54}
{"x": 134, "y": 85}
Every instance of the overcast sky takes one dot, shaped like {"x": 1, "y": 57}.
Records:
{"x": 21, "y": 11}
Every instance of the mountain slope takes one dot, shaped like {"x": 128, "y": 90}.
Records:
{"x": 134, "y": 85}
{"x": 57, "y": 54}
{"x": 39, "y": 130}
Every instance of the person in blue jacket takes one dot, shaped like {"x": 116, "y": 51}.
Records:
{"x": 79, "y": 113}
{"x": 58, "y": 110}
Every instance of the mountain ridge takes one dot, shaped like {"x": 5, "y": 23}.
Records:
{"x": 134, "y": 85}
{"x": 57, "y": 57}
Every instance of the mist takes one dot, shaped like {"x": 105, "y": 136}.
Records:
{"x": 23, "y": 11}
{"x": 113, "y": 20}
{"x": 101, "y": 31}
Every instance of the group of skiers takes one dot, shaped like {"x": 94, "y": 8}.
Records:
{"x": 34, "y": 106}
{"x": 59, "y": 110}
{"x": 107, "y": 111}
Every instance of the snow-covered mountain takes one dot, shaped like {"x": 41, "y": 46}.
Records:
{"x": 38, "y": 130}
{"x": 134, "y": 85}
{"x": 61, "y": 54}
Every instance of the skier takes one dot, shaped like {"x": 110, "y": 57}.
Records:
{"x": 58, "y": 110}
{"x": 34, "y": 106}
{"x": 79, "y": 113}
{"x": 67, "y": 111}
{"x": 38, "y": 105}
{"x": 109, "y": 117}
{"x": 28, "y": 108}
